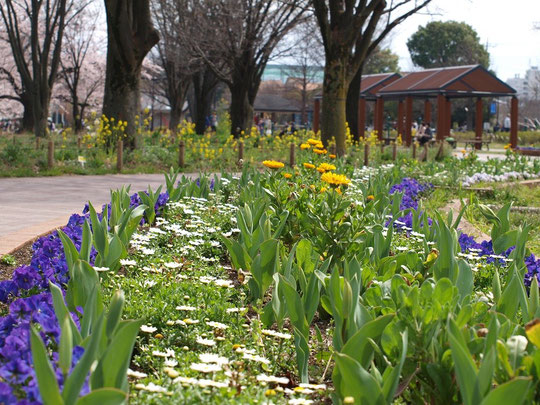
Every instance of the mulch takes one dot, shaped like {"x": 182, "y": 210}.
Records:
{"x": 22, "y": 255}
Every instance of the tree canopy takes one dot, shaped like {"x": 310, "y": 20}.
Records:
{"x": 381, "y": 61}
{"x": 449, "y": 43}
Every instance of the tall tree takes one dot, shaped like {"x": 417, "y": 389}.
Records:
{"x": 381, "y": 61}
{"x": 240, "y": 36}
{"x": 173, "y": 54}
{"x": 131, "y": 35}
{"x": 349, "y": 33}
{"x": 447, "y": 43}
{"x": 81, "y": 65}
{"x": 35, "y": 30}
{"x": 204, "y": 86}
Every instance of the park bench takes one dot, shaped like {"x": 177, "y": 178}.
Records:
{"x": 473, "y": 142}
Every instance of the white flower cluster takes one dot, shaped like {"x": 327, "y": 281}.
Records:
{"x": 494, "y": 178}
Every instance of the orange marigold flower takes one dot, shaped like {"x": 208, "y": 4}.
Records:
{"x": 320, "y": 151}
{"x": 305, "y": 146}
{"x": 309, "y": 166}
{"x": 332, "y": 156}
{"x": 287, "y": 175}
{"x": 335, "y": 180}
{"x": 325, "y": 167}
{"x": 312, "y": 141}
{"x": 273, "y": 164}
{"x": 370, "y": 197}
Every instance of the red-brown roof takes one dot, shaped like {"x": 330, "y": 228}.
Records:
{"x": 458, "y": 81}
{"x": 371, "y": 84}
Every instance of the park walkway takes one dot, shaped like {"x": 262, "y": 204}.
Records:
{"x": 32, "y": 206}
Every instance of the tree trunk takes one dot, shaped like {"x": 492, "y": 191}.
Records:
{"x": 41, "y": 113}
{"x": 77, "y": 118}
{"x": 27, "y": 124}
{"x": 175, "y": 115}
{"x": 130, "y": 37}
{"x": 204, "y": 86}
{"x": 122, "y": 98}
{"x": 241, "y": 110}
{"x": 333, "y": 106}
{"x": 353, "y": 96}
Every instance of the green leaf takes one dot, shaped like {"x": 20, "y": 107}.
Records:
{"x": 65, "y": 348}
{"x": 391, "y": 380}
{"x": 61, "y": 311}
{"x": 104, "y": 396}
{"x": 466, "y": 371}
{"x": 115, "y": 312}
{"x": 356, "y": 382}
{"x": 513, "y": 392}
{"x": 75, "y": 381}
{"x": 485, "y": 374}
{"x": 48, "y": 386}
{"x": 508, "y": 304}
{"x": 465, "y": 280}
{"x": 358, "y": 347}
{"x": 112, "y": 367}
{"x": 86, "y": 244}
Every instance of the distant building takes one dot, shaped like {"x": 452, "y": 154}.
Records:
{"x": 284, "y": 72}
{"x": 528, "y": 87}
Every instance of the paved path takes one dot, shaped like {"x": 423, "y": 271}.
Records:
{"x": 31, "y": 206}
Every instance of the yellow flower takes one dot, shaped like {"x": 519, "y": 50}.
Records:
{"x": 323, "y": 189}
{"x": 338, "y": 190}
{"x": 287, "y": 175}
{"x": 273, "y": 164}
{"x": 305, "y": 146}
{"x": 313, "y": 141}
{"x": 320, "y": 151}
{"x": 335, "y": 180}
{"x": 332, "y": 156}
{"x": 348, "y": 400}
{"x": 325, "y": 167}
{"x": 370, "y": 197}
{"x": 463, "y": 151}
{"x": 508, "y": 146}
{"x": 270, "y": 393}
{"x": 309, "y": 166}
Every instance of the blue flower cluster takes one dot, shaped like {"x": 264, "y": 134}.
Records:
{"x": 30, "y": 302}
{"x": 411, "y": 189}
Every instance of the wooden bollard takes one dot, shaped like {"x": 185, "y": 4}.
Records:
{"x": 50, "y": 154}
{"x": 382, "y": 146}
{"x": 292, "y": 157}
{"x": 240, "y": 151}
{"x": 181, "y": 154}
{"x": 414, "y": 150}
{"x": 79, "y": 142}
{"x": 366, "y": 154}
{"x": 37, "y": 142}
{"x": 119, "y": 155}
{"x": 394, "y": 151}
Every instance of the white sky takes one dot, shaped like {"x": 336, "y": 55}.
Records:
{"x": 507, "y": 27}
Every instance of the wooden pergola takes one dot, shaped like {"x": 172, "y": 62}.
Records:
{"x": 445, "y": 84}
{"x": 442, "y": 84}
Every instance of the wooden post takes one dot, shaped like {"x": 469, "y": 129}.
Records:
{"x": 119, "y": 155}
{"x": 441, "y": 110}
{"x": 514, "y": 122}
{"x": 316, "y": 114}
{"x": 414, "y": 150}
{"x": 394, "y": 150}
{"x": 78, "y": 142}
{"x": 50, "y": 154}
{"x": 400, "y": 114}
{"x": 362, "y": 118}
{"x": 478, "y": 125}
{"x": 181, "y": 153}
{"x": 292, "y": 152}
{"x": 427, "y": 110}
{"x": 379, "y": 117}
{"x": 366, "y": 154}
{"x": 37, "y": 142}
{"x": 408, "y": 120}
{"x": 240, "y": 151}
{"x": 448, "y": 113}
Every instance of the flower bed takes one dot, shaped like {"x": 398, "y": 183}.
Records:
{"x": 297, "y": 286}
